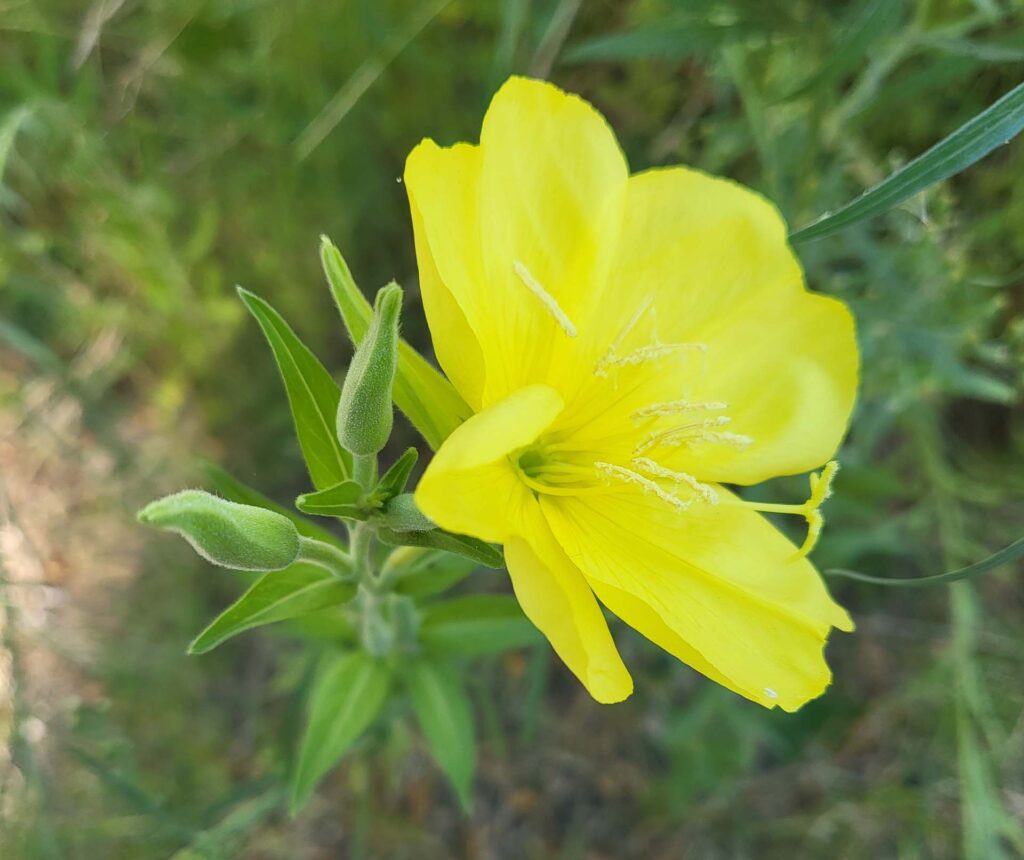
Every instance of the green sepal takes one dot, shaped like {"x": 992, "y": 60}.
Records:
{"x": 277, "y": 596}
{"x": 426, "y": 398}
{"x": 365, "y": 414}
{"x": 342, "y": 500}
{"x": 348, "y": 693}
{"x": 313, "y": 396}
{"x": 242, "y": 537}
{"x": 394, "y": 480}
{"x": 470, "y": 547}
{"x": 401, "y": 515}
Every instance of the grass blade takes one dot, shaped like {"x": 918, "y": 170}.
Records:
{"x": 993, "y": 127}
{"x": 1007, "y": 554}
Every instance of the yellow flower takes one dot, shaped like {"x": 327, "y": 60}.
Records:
{"x": 628, "y": 344}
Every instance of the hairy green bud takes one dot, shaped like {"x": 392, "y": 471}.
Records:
{"x": 242, "y": 537}
{"x": 365, "y": 413}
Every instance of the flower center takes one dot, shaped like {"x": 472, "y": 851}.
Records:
{"x": 560, "y": 463}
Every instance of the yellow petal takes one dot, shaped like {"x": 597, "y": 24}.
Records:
{"x": 713, "y": 258}
{"x": 471, "y": 487}
{"x": 442, "y": 186}
{"x": 556, "y": 597}
{"x": 715, "y": 585}
{"x": 514, "y": 239}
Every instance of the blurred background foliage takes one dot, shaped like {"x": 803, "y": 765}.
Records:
{"x": 154, "y": 154}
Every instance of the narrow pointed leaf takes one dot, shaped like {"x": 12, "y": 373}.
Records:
{"x": 1007, "y": 554}
{"x": 446, "y": 717}
{"x": 397, "y": 476}
{"x": 283, "y": 594}
{"x": 347, "y": 696}
{"x": 341, "y": 500}
{"x": 433, "y": 572}
{"x": 427, "y": 399}
{"x": 231, "y": 488}
{"x": 480, "y": 552}
{"x": 972, "y": 141}
{"x": 476, "y": 625}
{"x": 312, "y": 394}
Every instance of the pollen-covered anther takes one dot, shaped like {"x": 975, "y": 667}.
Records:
{"x": 610, "y": 354}
{"x": 683, "y": 434}
{"x": 656, "y": 470}
{"x": 651, "y": 352}
{"x": 677, "y": 407}
{"x": 628, "y": 476}
{"x": 550, "y": 303}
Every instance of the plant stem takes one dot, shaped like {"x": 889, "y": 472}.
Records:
{"x": 326, "y": 556}
{"x": 364, "y": 470}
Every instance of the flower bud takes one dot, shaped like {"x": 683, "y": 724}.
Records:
{"x": 242, "y": 537}
{"x": 365, "y": 413}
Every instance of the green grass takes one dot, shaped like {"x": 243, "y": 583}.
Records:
{"x": 152, "y": 161}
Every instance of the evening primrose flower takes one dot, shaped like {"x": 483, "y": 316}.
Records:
{"x": 630, "y": 344}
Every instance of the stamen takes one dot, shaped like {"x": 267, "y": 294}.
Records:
{"x": 628, "y": 476}
{"x": 706, "y": 492}
{"x": 546, "y": 299}
{"x": 737, "y": 440}
{"x": 601, "y": 368}
{"x": 646, "y": 353}
{"x": 678, "y": 407}
{"x": 682, "y": 434}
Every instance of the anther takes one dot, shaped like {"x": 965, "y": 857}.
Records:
{"x": 546, "y": 299}
{"x": 643, "y": 354}
{"x": 601, "y": 368}
{"x": 678, "y": 407}
{"x": 706, "y": 492}
{"x": 628, "y": 476}
{"x": 683, "y": 434}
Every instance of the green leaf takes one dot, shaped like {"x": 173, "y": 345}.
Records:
{"x": 277, "y": 596}
{"x": 446, "y": 718}
{"x": 347, "y": 696}
{"x": 470, "y": 547}
{"x": 476, "y": 625}
{"x": 312, "y": 394}
{"x": 397, "y": 476}
{"x": 974, "y": 140}
{"x": 428, "y": 400}
{"x": 1007, "y": 554}
{"x": 341, "y": 500}
{"x": 231, "y": 488}
{"x": 432, "y": 572}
